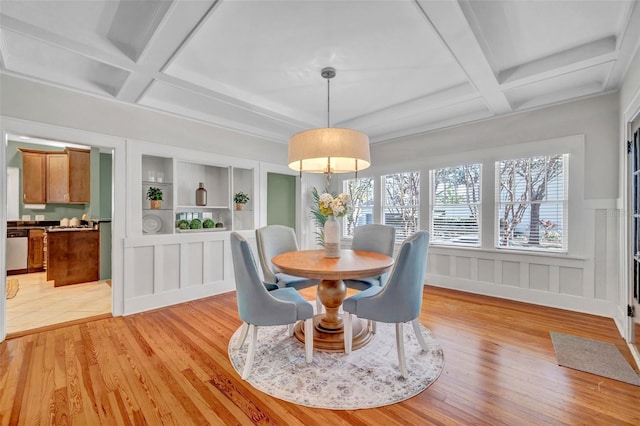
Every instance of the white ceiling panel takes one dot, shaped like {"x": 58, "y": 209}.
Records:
{"x": 519, "y": 32}
{"x": 584, "y": 82}
{"x": 29, "y": 57}
{"x": 403, "y": 66}
{"x": 270, "y": 54}
{"x": 166, "y": 97}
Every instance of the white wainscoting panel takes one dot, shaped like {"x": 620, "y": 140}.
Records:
{"x": 585, "y": 283}
{"x": 162, "y": 270}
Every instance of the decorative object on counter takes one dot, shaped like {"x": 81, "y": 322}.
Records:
{"x": 332, "y": 208}
{"x": 201, "y": 195}
{"x": 219, "y": 225}
{"x": 154, "y": 195}
{"x": 64, "y": 221}
{"x": 240, "y": 198}
{"x": 74, "y": 222}
{"x": 182, "y": 224}
{"x": 195, "y": 224}
{"x": 208, "y": 223}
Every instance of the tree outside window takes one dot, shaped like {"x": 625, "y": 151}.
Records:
{"x": 532, "y": 203}
{"x": 360, "y": 193}
{"x": 401, "y": 203}
{"x": 455, "y": 205}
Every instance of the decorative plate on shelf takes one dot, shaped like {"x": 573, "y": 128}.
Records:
{"x": 151, "y": 224}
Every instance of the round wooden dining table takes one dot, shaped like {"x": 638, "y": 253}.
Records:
{"x": 328, "y": 333}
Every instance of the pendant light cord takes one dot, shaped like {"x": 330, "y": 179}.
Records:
{"x": 328, "y": 103}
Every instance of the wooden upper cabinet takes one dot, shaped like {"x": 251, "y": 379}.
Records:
{"x": 34, "y": 173}
{"x": 56, "y": 176}
{"x": 79, "y": 175}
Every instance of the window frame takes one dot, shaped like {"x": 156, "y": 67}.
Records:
{"x": 564, "y": 203}
{"x": 400, "y": 237}
{"x": 345, "y": 189}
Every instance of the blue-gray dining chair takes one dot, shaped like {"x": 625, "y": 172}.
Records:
{"x": 377, "y": 238}
{"x": 399, "y": 301}
{"x": 258, "y": 307}
{"x": 273, "y": 240}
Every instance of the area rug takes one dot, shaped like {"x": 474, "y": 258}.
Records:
{"x": 13, "y": 285}
{"x": 592, "y": 356}
{"x": 368, "y": 377}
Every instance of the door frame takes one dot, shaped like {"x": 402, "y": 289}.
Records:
{"x": 46, "y": 131}
{"x": 630, "y": 114}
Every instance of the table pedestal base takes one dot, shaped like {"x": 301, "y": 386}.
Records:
{"x": 328, "y": 339}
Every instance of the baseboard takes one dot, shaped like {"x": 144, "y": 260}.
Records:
{"x": 160, "y": 300}
{"x": 537, "y": 297}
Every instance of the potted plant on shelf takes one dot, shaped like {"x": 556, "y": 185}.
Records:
{"x": 154, "y": 195}
{"x": 240, "y": 198}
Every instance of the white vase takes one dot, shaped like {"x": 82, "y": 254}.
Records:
{"x": 331, "y": 237}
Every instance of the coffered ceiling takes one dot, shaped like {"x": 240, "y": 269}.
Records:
{"x": 403, "y": 67}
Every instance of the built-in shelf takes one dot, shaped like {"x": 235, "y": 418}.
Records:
{"x": 180, "y": 180}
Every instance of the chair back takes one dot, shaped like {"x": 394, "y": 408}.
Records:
{"x": 255, "y": 304}
{"x": 374, "y": 237}
{"x": 403, "y": 292}
{"x": 273, "y": 240}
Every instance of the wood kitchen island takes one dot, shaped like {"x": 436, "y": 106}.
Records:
{"x": 73, "y": 256}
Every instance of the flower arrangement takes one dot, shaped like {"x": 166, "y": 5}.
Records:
{"x": 330, "y": 206}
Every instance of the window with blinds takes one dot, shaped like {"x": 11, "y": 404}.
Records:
{"x": 532, "y": 203}
{"x": 360, "y": 193}
{"x": 455, "y": 205}
{"x": 401, "y": 203}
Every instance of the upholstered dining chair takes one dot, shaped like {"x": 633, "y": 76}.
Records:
{"x": 377, "y": 238}
{"x": 273, "y": 240}
{"x": 399, "y": 301}
{"x": 258, "y": 307}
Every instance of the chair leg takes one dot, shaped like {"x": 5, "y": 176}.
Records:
{"x": 372, "y": 326}
{"x": 290, "y": 328}
{"x": 243, "y": 335}
{"x": 308, "y": 339}
{"x": 419, "y": 336}
{"x": 400, "y": 345}
{"x": 253, "y": 337}
{"x": 348, "y": 332}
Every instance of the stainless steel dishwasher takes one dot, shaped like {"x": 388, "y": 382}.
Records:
{"x": 17, "y": 251}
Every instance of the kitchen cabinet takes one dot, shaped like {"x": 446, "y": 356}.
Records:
{"x": 73, "y": 256}
{"x": 35, "y": 259}
{"x": 56, "y": 176}
{"x": 34, "y": 173}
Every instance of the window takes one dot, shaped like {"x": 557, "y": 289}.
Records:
{"x": 401, "y": 203}
{"x": 532, "y": 203}
{"x": 360, "y": 192}
{"x": 455, "y": 205}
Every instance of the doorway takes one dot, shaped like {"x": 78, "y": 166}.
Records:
{"x": 33, "y": 300}
{"x": 281, "y": 199}
{"x": 634, "y": 208}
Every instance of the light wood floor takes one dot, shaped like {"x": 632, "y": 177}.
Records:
{"x": 38, "y": 304}
{"x": 170, "y": 366}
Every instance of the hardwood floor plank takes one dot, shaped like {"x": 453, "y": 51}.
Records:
{"x": 170, "y": 366}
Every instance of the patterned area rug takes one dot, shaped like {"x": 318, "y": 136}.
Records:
{"x": 368, "y": 377}
{"x": 13, "y": 285}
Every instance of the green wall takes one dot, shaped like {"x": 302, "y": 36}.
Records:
{"x": 281, "y": 200}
